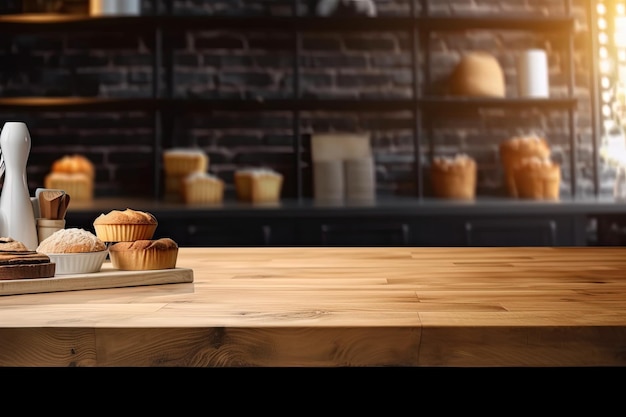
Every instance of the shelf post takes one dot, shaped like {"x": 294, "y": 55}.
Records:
{"x": 297, "y": 142}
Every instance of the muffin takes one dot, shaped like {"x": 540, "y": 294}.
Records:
{"x": 74, "y": 251}
{"x": 79, "y": 186}
{"x": 183, "y": 161}
{"x": 75, "y": 174}
{"x": 74, "y": 164}
{"x": 538, "y": 179}
{"x": 180, "y": 162}
{"x": 201, "y": 187}
{"x": 454, "y": 177}
{"x": 125, "y": 226}
{"x": 514, "y": 150}
{"x": 258, "y": 185}
{"x": 144, "y": 254}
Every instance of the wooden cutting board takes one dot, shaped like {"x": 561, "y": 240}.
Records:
{"x": 108, "y": 277}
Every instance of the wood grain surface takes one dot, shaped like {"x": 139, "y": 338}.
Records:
{"x": 327, "y": 307}
{"x": 107, "y": 277}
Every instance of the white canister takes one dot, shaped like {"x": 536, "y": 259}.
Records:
{"x": 129, "y": 7}
{"x": 532, "y": 74}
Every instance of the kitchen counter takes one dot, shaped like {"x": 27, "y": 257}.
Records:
{"x": 326, "y": 307}
{"x": 394, "y": 206}
{"x": 409, "y": 222}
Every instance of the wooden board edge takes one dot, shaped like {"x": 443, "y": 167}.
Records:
{"x": 97, "y": 280}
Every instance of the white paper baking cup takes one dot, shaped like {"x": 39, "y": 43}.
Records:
{"x": 78, "y": 263}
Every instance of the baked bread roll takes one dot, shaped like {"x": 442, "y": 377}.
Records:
{"x": 144, "y": 254}
{"x": 454, "y": 177}
{"x": 514, "y": 150}
{"x": 71, "y": 240}
{"x": 9, "y": 244}
{"x": 201, "y": 187}
{"x": 74, "y": 251}
{"x": 258, "y": 185}
{"x": 538, "y": 179}
{"x": 74, "y": 174}
{"x": 478, "y": 74}
{"x": 74, "y": 164}
{"x": 125, "y": 226}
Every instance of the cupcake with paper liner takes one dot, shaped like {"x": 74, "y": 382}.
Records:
{"x": 258, "y": 185}
{"x": 454, "y": 177}
{"x": 516, "y": 149}
{"x": 141, "y": 255}
{"x": 538, "y": 179}
{"x": 202, "y": 187}
{"x": 125, "y": 225}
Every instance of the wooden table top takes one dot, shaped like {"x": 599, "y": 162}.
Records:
{"x": 457, "y": 307}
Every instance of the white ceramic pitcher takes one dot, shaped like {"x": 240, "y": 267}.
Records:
{"x": 17, "y": 216}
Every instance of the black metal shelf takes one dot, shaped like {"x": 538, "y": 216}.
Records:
{"x": 515, "y": 103}
{"x": 97, "y": 104}
{"x": 499, "y": 22}
{"x": 419, "y": 25}
{"x": 77, "y": 104}
{"x": 78, "y": 23}
{"x": 65, "y": 23}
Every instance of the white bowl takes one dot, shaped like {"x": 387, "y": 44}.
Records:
{"x": 78, "y": 263}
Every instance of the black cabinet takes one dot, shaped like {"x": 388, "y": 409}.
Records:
{"x": 376, "y": 231}
{"x": 537, "y": 230}
{"x": 225, "y": 232}
{"x": 388, "y": 223}
{"x": 511, "y": 232}
{"x": 349, "y": 232}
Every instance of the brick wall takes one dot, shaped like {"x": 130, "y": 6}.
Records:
{"x": 231, "y": 64}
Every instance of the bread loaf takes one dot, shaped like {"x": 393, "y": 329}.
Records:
{"x": 73, "y": 240}
{"x": 478, "y": 74}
